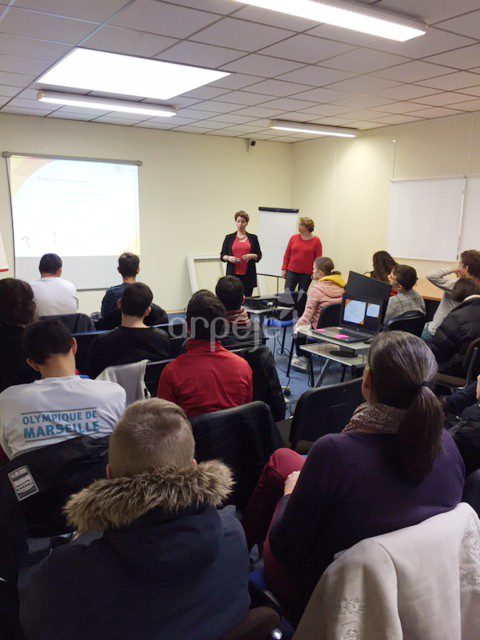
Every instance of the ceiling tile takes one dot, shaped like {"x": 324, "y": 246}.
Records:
{"x": 471, "y": 91}
{"x": 202, "y": 55}
{"x": 287, "y": 104}
{"x": 42, "y": 26}
{"x": 278, "y": 88}
{"x": 442, "y": 99}
{"x": 405, "y": 92}
{"x": 274, "y": 18}
{"x": 363, "y": 125}
{"x": 295, "y": 116}
{"x": 227, "y": 118}
{"x": 239, "y": 34}
{"x": 363, "y": 84}
{"x": 119, "y": 120}
{"x": 34, "y": 105}
{"x": 343, "y": 35}
{"x": 259, "y": 112}
{"x": 261, "y": 66}
{"x": 322, "y": 95}
{"x": 163, "y": 19}
{"x": 93, "y": 10}
{"x": 58, "y": 115}
{"x": 413, "y": 71}
{"x": 305, "y": 48}
{"x": 28, "y": 66}
{"x": 30, "y": 48}
{"x": 21, "y": 111}
{"x": 429, "y": 10}
{"x": 453, "y": 81}
{"x": 205, "y": 93}
{"x": 149, "y": 124}
{"x": 328, "y": 109}
{"x": 316, "y": 76}
{"x": 400, "y": 107}
{"x": 396, "y": 119}
{"x": 235, "y": 81}
{"x": 364, "y": 61}
{"x": 243, "y": 97}
{"x": 215, "y": 6}
{"x": 128, "y": 41}
{"x": 434, "y": 41}
{"x": 471, "y": 105}
{"x": 464, "y": 58}
{"x": 217, "y": 107}
{"x": 6, "y": 91}
{"x": 15, "y": 79}
{"x": 369, "y": 100}
{"x": 363, "y": 114}
{"x": 336, "y": 121}
{"x": 434, "y": 112}
{"x": 465, "y": 25}
{"x": 67, "y": 111}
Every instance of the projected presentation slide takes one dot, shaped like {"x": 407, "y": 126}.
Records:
{"x": 85, "y": 211}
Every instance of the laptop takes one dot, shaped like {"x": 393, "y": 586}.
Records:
{"x": 360, "y": 319}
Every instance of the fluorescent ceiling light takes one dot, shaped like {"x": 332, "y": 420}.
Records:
{"x": 92, "y": 102}
{"x": 126, "y": 75}
{"x": 316, "y": 129}
{"x": 349, "y": 16}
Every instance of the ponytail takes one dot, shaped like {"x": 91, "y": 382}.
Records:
{"x": 326, "y": 265}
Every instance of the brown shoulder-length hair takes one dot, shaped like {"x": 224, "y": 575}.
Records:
{"x": 326, "y": 265}
{"x": 242, "y": 214}
{"x": 17, "y": 306}
{"x": 383, "y": 264}
{"x": 403, "y": 371}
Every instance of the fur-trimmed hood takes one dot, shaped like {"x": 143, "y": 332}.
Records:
{"x": 119, "y": 502}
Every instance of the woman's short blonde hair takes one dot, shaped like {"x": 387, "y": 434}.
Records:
{"x": 308, "y": 223}
{"x": 242, "y": 214}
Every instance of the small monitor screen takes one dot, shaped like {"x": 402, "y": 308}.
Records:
{"x": 362, "y": 314}
{"x": 355, "y": 311}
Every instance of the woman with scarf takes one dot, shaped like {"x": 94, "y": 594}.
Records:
{"x": 393, "y": 466}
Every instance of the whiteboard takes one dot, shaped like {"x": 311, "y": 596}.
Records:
{"x": 3, "y": 257}
{"x": 275, "y": 229}
{"x": 470, "y": 237}
{"x": 425, "y": 218}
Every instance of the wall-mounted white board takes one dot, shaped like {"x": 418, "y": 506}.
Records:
{"x": 275, "y": 228}
{"x": 425, "y": 218}
{"x": 470, "y": 236}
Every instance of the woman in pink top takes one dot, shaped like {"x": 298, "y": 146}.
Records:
{"x": 302, "y": 249}
{"x": 327, "y": 288}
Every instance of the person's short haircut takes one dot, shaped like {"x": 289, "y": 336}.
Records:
{"x": 242, "y": 214}
{"x": 463, "y": 288}
{"x": 308, "y": 223}
{"x": 204, "y": 314}
{"x": 50, "y": 263}
{"x": 151, "y": 434}
{"x": 17, "y": 306}
{"x": 46, "y": 338}
{"x": 136, "y": 299}
{"x": 405, "y": 276}
{"x": 128, "y": 265}
{"x": 471, "y": 259}
{"x": 230, "y": 292}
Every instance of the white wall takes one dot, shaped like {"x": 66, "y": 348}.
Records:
{"x": 190, "y": 187}
{"x": 344, "y": 184}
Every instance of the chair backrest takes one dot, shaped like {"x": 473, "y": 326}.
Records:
{"x": 74, "y": 322}
{"x": 295, "y": 299}
{"x": 153, "y": 371}
{"x": 84, "y": 340}
{"x": 471, "y": 361}
{"x": 329, "y": 316}
{"x": 266, "y": 383}
{"x": 243, "y": 438}
{"x": 410, "y": 322}
{"x": 471, "y": 491}
{"x": 325, "y": 410}
{"x": 258, "y": 624}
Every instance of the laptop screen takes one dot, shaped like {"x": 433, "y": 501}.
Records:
{"x": 361, "y": 314}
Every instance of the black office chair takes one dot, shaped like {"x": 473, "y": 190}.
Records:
{"x": 153, "y": 371}
{"x": 84, "y": 340}
{"x": 471, "y": 491}
{"x": 242, "y": 437}
{"x": 324, "y": 410}
{"x": 470, "y": 365}
{"x": 74, "y": 322}
{"x": 410, "y": 322}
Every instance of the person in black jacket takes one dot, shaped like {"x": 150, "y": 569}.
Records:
{"x": 133, "y": 340}
{"x": 242, "y": 332}
{"x": 459, "y": 328}
{"x": 241, "y": 251}
{"x": 168, "y": 563}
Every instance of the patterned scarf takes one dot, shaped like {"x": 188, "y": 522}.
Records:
{"x": 375, "y": 418}
{"x": 238, "y": 317}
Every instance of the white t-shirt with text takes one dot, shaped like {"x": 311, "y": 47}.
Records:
{"x": 52, "y": 410}
{"x": 54, "y": 297}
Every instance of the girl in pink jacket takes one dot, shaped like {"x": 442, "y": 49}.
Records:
{"x": 327, "y": 288}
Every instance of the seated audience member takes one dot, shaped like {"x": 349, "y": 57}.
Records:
{"x": 61, "y": 405}
{"x": 128, "y": 268}
{"x": 403, "y": 278}
{"x": 133, "y": 340}
{"x": 469, "y": 266}
{"x": 169, "y": 564}
{"x": 393, "y": 466}
{"x": 54, "y": 296}
{"x": 242, "y": 332}
{"x": 17, "y": 309}
{"x": 459, "y": 328}
{"x": 207, "y": 377}
{"x": 383, "y": 264}
{"x": 464, "y": 404}
{"x": 327, "y": 288}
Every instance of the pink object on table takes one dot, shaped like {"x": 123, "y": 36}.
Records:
{"x": 320, "y": 330}
{"x": 340, "y": 336}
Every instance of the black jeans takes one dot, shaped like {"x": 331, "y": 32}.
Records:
{"x": 247, "y": 284}
{"x": 293, "y": 279}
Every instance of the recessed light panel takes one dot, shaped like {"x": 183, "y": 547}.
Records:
{"x": 315, "y": 129}
{"x": 126, "y": 75}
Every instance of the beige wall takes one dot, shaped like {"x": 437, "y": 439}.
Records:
{"x": 344, "y": 184}
{"x": 190, "y": 186}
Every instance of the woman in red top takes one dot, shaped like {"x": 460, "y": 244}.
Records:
{"x": 241, "y": 251}
{"x": 302, "y": 251}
